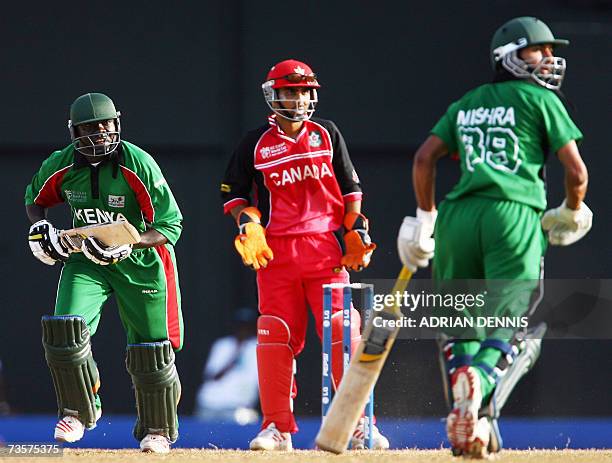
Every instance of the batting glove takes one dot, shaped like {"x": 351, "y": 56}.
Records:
{"x": 415, "y": 245}
{"x": 357, "y": 242}
{"x": 100, "y": 254}
{"x": 566, "y": 226}
{"x": 45, "y": 243}
{"x": 251, "y": 241}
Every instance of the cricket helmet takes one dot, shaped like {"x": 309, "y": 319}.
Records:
{"x": 524, "y": 32}
{"x": 94, "y": 107}
{"x": 290, "y": 73}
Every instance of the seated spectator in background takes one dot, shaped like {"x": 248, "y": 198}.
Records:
{"x": 230, "y": 391}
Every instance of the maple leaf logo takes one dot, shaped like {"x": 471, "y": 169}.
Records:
{"x": 299, "y": 70}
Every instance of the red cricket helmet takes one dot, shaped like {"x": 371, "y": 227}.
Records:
{"x": 290, "y": 73}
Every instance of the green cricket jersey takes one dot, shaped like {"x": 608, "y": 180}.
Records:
{"x": 128, "y": 185}
{"x": 502, "y": 133}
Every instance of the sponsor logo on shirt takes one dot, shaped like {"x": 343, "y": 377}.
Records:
{"x": 355, "y": 176}
{"x": 149, "y": 291}
{"x": 116, "y": 201}
{"x": 225, "y": 188}
{"x": 314, "y": 139}
{"x": 76, "y": 196}
{"x": 91, "y": 216}
{"x": 300, "y": 174}
{"x": 267, "y": 152}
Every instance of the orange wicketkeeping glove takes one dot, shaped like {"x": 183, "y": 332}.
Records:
{"x": 357, "y": 242}
{"x": 251, "y": 242}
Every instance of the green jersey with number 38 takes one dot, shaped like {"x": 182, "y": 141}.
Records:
{"x": 502, "y": 133}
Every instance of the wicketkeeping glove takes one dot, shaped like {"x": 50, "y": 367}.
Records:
{"x": 100, "y": 254}
{"x": 566, "y": 226}
{"x": 415, "y": 245}
{"x": 46, "y": 244}
{"x": 251, "y": 241}
{"x": 357, "y": 242}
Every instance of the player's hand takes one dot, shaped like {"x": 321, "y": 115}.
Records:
{"x": 357, "y": 243}
{"x": 251, "y": 241}
{"x": 46, "y": 244}
{"x": 415, "y": 244}
{"x": 566, "y": 226}
{"x": 100, "y": 254}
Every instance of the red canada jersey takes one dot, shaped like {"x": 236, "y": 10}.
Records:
{"x": 299, "y": 185}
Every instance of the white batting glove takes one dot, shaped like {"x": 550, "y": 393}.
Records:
{"x": 566, "y": 226}
{"x": 415, "y": 244}
{"x": 45, "y": 243}
{"x": 99, "y": 254}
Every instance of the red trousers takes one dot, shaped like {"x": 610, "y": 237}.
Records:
{"x": 290, "y": 284}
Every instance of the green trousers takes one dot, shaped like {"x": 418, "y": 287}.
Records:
{"x": 500, "y": 243}
{"x": 145, "y": 286}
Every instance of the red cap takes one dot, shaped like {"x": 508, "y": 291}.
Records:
{"x": 291, "y": 67}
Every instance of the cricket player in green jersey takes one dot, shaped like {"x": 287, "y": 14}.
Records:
{"x": 491, "y": 225}
{"x": 103, "y": 178}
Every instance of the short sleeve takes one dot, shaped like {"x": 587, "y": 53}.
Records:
{"x": 559, "y": 126}
{"x": 45, "y": 187}
{"x": 445, "y": 128}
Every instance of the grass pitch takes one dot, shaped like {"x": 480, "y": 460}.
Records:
{"x": 312, "y": 456}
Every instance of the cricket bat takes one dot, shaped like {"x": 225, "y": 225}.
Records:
{"x": 363, "y": 372}
{"x": 109, "y": 233}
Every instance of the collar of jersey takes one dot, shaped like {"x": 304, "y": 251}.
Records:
{"x": 80, "y": 161}
{"x": 283, "y": 135}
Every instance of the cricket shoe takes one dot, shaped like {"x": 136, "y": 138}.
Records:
{"x": 271, "y": 438}
{"x": 71, "y": 429}
{"x": 462, "y": 425}
{"x": 478, "y": 447}
{"x": 155, "y": 443}
{"x": 379, "y": 442}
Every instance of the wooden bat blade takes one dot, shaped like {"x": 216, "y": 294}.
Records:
{"x": 110, "y": 233}
{"x": 363, "y": 372}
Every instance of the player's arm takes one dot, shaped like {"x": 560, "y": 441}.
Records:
{"x": 358, "y": 246}
{"x": 235, "y": 211}
{"x": 353, "y": 206}
{"x": 43, "y": 238}
{"x": 416, "y": 251}
{"x": 424, "y": 171}
{"x": 573, "y": 219}
{"x": 251, "y": 241}
{"x": 576, "y": 175}
{"x": 36, "y": 212}
{"x": 150, "y": 239}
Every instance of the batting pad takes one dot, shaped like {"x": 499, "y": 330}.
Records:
{"x": 157, "y": 388}
{"x": 66, "y": 341}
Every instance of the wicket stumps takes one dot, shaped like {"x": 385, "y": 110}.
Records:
{"x": 326, "y": 383}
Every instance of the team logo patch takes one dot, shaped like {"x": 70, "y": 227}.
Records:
{"x": 314, "y": 139}
{"x": 225, "y": 188}
{"x": 116, "y": 201}
{"x": 355, "y": 177}
{"x": 76, "y": 196}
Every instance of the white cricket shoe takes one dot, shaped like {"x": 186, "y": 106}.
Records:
{"x": 478, "y": 447}
{"x": 154, "y": 443}
{"x": 379, "y": 442}
{"x": 272, "y": 439}
{"x": 465, "y": 431}
{"x": 69, "y": 429}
